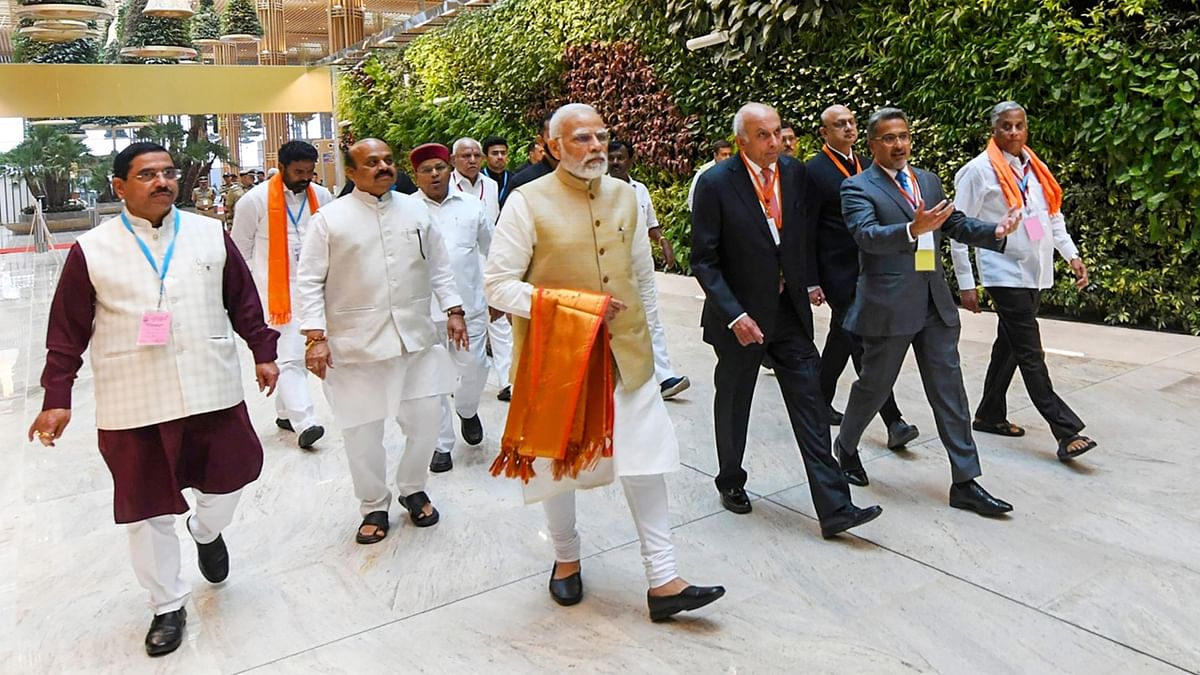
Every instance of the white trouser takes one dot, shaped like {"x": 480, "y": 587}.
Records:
{"x": 154, "y": 547}
{"x": 658, "y": 340}
{"x": 368, "y": 458}
{"x": 647, "y": 498}
{"x": 471, "y": 365}
{"x": 292, "y": 400}
{"x": 500, "y": 335}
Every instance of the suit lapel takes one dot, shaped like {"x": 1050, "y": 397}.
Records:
{"x": 745, "y": 189}
{"x": 888, "y": 186}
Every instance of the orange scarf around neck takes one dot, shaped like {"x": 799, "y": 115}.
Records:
{"x": 562, "y": 405}
{"x": 1008, "y": 183}
{"x": 279, "y": 255}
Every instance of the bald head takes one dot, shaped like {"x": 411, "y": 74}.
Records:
{"x": 839, "y": 128}
{"x": 369, "y": 163}
{"x": 759, "y": 133}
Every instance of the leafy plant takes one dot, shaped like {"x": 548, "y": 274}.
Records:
{"x": 240, "y": 18}
{"x": 755, "y": 27}
{"x": 190, "y": 148}
{"x": 47, "y": 159}
{"x": 141, "y": 30}
{"x": 206, "y": 24}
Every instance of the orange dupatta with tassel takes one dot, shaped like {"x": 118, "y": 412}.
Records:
{"x": 279, "y": 292}
{"x": 1008, "y": 183}
{"x": 562, "y": 406}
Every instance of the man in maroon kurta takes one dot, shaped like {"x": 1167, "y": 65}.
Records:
{"x": 155, "y": 296}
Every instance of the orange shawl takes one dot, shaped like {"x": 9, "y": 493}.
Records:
{"x": 279, "y": 257}
{"x": 1008, "y": 184}
{"x": 562, "y": 406}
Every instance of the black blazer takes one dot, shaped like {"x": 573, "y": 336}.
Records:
{"x": 734, "y": 257}
{"x": 833, "y": 253}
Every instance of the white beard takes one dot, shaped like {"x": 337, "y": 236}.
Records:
{"x": 583, "y": 170}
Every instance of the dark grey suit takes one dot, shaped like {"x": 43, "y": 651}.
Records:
{"x": 896, "y": 306}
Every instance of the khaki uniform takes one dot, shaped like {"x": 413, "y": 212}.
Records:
{"x": 232, "y": 194}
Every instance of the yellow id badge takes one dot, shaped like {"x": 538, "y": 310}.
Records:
{"x": 925, "y": 261}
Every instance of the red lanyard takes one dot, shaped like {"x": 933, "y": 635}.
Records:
{"x": 857, "y": 166}
{"x": 482, "y": 187}
{"x": 915, "y": 198}
{"x": 765, "y": 192}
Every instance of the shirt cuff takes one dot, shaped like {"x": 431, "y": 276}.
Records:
{"x": 57, "y": 398}
{"x": 739, "y": 318}
{"x": 908, "y": 231}
{"x": 966, "y": 283}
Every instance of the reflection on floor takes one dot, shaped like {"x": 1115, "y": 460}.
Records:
{"x": 1095, "y": 572}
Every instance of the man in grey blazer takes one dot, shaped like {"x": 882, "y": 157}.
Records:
{"x": 903, "y": 299}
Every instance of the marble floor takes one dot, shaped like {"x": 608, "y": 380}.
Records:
{"x": 1097, "y": 570}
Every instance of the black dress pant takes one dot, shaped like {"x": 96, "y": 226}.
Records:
{"x": 1019, "y": 345}
{"x": 840, "y": 346}
{"x": 796, "y": 365}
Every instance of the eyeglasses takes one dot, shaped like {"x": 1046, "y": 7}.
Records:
{"x": 148, "y": 175}
{"x": 892, "y": 139}
{"x": 436, "y": 168}
{"x": 585, "y": 137}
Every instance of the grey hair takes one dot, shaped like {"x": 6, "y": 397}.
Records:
{"x": 1003, "y": 107}
{"x": 883, "y": 115}
{"x": 463, "y": 141}
{"x": 739, "y": 118}
{"x": 556, "y": 120}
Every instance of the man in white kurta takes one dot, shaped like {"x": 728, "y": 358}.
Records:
{"x": 251, "y": 232}
{"x": 464, "y": 225}
{"x": 370, "y": 264}
{"x": 552, "y": 217}
{"x": 468, "y": 178}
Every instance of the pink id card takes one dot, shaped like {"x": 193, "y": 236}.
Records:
{"x": 155, "y": 329}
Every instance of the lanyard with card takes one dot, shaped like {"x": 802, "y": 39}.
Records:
{"x": 294, "y": 219}
{"x": 924, "y": 258}
{"x": 765, "y": 193}
{"x": 1034, "y": 223}
{"x": 155, "y": 326}
{"x": 857, "y": 165}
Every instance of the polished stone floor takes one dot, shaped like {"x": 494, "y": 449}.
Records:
{"x": 1097, "y": 570}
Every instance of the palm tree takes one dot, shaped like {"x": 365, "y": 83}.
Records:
{"x": 190, "y": 148}
{"x": 47, "y": 159}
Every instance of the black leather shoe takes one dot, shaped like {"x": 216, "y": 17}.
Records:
{"x": 472, "y": 429}
{"x": 441, "y": 462}
{"x": 310, "y": 435}
{"x": 566, "y": 591}
{"x": 735, "y": 499}
{"x": 835, "y": 417}
{"x": 213, "y": 559}
{"x": 852, "y": 467}
{"x": 692, "y": 597}
{"x": 852, "y": 517}
{"x": 505, "y": 394}
{"x": 972, "y": 497}
{"x": 166, "y": 632}
{"x": 901, "y": 433}
{"x": 284, "y": 423}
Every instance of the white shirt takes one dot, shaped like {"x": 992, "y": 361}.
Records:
{"x": 1024, "y": 263}
{"x": 646, "y": 215}
{"x": 485, "y": 190}
{"x": 251, "y": 229}
{"x": 467, "y": 233}
{"x": 696, "y": 179}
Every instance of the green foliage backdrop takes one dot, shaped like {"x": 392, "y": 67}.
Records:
{"x": 1110, "y": 85}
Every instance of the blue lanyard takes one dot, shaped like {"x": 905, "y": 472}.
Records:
{"x": 295, "y": 218}
{"x": 503, "y": 186}
{"x": 166, "y": 263}
{"x": 1022, "y": 184}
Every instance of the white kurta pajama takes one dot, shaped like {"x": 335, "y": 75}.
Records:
{"x": 367, "y": 271}
{"x": 467, "y": 232}
{"x": 648, "y": 219}
{"x": 251, "y": 235}
{"x": 644, "y": 442}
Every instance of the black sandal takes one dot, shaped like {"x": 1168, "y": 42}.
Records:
{"x": 1004, "y": 428}
{"x": 1065, "y": 454}
{"x": 415, "y": 503}
{"x": 376, "y": 519}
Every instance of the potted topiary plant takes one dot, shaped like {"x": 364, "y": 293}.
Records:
{"x": 48, "y": 160}
{"x": 239, "y": 22}
{"x": 206, "y": 25}
{"x": 155, "y": 39}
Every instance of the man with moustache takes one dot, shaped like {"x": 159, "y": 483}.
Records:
{"x": 788, "y": 138}
{"x": 155, "y": 296}
{"x": 578, "y": 229}
{"x": 748, "y": 252}
{"x": 833, "y": 263}
{"x": 464, "y": 226}
{"x": 269, "y": 229}
{"x": 468, "y": 176}
{"x": 903, "y": 300}
{"x": 371, "y": 264}
{"x": 1009, "y": 175}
